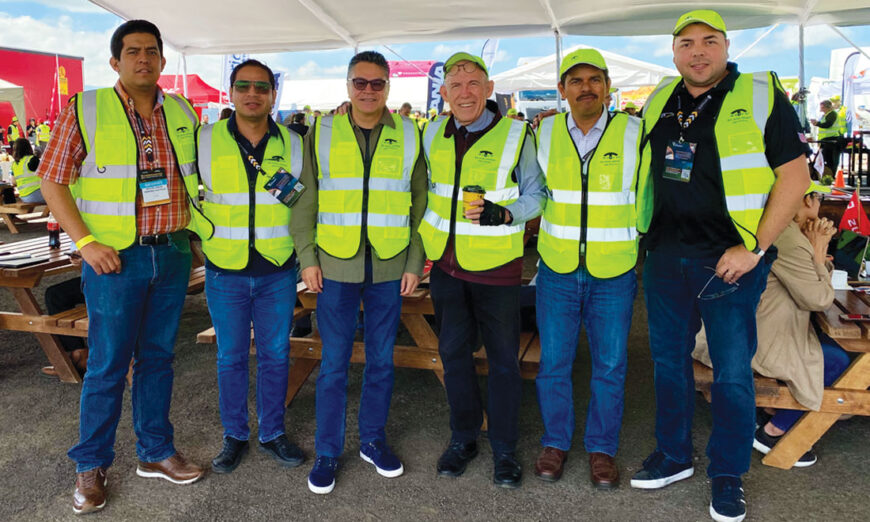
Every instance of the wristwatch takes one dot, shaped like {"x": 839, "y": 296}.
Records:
{"x": 758, "y": 251}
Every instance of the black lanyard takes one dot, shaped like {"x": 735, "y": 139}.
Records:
{"x": 692, "y": 116}
{"x": 146, "y": 138}
{"x": 247, "y": 152}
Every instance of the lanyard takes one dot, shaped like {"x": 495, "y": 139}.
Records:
{"x": 692, "y": 116}
{"x": 147, "y": 140}
{"x": 248, "y": 153}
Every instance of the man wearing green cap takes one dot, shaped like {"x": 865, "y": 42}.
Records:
{"x": 512, "y": 114}
{"x": 631, "y": 109}
{"x": 14, "y": 131}
{"x": 477, "y": 247}
{"x": 588, "y": 247}
{"x": 724, "y": 172}
{"x": 829, "y": 134}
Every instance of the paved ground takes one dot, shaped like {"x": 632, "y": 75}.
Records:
{"x": 39, "y": 422}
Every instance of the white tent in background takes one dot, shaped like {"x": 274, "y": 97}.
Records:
{"x": 326, "y": 94}
{"x": 625, "y": 73}
{"x": 14, "y": 94}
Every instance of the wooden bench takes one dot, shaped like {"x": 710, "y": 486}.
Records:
{"x": 12, "y": 212}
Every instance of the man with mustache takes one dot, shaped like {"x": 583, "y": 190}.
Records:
{"x": 725, "y": 171}
{"x": 120, "y": 177}
{"x": 588, "y": 247}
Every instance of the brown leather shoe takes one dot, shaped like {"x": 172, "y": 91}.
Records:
{"x": 175, "y": 469}
{"x": 603, "y": 471}
{"x": 550, "y": 464}
{"x": 90, "y": 493}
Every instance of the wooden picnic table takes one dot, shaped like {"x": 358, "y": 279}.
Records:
{"x": 30, "y": 317}
{"x": 849, "y": 395}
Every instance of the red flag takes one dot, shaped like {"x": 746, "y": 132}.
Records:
{"x": 854, "y": 218}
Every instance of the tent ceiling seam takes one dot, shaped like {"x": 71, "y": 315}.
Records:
{"x": 554, "y": 23}
{"x": 329, "y": 21}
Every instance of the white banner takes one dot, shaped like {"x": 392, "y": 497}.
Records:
{"x": 230, "y": 63}
{"x": 279, "y": 86}
{"x": 490, "y": 48}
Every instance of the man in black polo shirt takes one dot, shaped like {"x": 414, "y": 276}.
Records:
{"x": 727, "y": 170}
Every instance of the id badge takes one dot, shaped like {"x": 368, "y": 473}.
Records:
{"x": 679, "y": 158}
{"x": 284, "y": 187}
{"x": 154, "y": 186}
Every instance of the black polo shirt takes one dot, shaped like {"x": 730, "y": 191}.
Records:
{"x": 257, "y": 264}
{"x": 691, "y": 219}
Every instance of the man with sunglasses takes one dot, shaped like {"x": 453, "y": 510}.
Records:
{"x": 355, "y": 230}
{"x": 725, "y": 171}
{"x": 478, "y": 254}
{"x": 250, "y": 267}
{"x": 120, "y": 177}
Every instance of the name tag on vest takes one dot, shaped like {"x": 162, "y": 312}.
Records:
{"x": 154, "y": 186}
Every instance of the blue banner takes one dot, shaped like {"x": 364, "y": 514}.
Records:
{"x": 436, "y": 78}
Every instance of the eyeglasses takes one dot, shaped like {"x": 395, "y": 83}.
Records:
{"x": 818, "y": 195}
{"x": 360, "y": 84}
{"x": 468, "y": 67}
{"x": 259, "y": 87}
{"x": 712, "y": 277}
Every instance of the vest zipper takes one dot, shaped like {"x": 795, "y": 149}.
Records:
{"x": 584, "y": 177}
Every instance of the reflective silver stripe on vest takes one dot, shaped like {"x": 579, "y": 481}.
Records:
{"x": 108, "y": 171}
{"x": 25, "y": 185}
{"x": 441, "y": 189}
{"x": 204, "y": 154}
{"x": 325, "y": 128}
{"x": 545, "y": 135}
{"x": 393, "y": 185}
{"x": 575, "y": 197}
{"x": 470, "y": 229}
{"x": 432, "y": 130}
{"x": 340, "y": 183}
{"x": 760, "y": 107}
{"x": 610, "y": 235}
{"x": 752, "y": 160}
{"x": 629, "y": 153}
{"x": 388, "y": 220}
{"x": 89, "y": 116}
{"x": 561, "y": 231}
{"x": 194, "y": 120}
{"x": 338, "y": 219}
{"x": 241, "y": 233}
{"x": 295, "y": 153}
{"x": 514, "y": 139}
{"x": 106, "y": 208}
{"x": 240, "y": 198}
{"x": 187, "y": 169}
{"x": 746, "y": 202}
{"x": 445, "y": 190}
{"x": 409, "y": 137}
{"x": 276, "y": 232}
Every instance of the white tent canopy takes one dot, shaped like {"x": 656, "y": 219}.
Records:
{"x": 625, "y": 73}
{"x": 204, "y": 27}
{"x": 14, "y": 94}
{"x": 326, "y": 94}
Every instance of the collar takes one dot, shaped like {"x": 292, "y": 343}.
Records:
{"x": 386, "y": 119}
{"x": 490, "y": 113}
{"x": 601, "y": 124}
{"x": 233, "y": 127}
{"x": 119, "y": 88}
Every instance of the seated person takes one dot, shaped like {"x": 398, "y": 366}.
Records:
{"x": 60, "y": 298}
{"x": 789, "y": 348}
{"x": 24, "y": 170}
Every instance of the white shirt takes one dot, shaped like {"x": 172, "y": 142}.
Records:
{"x": 586, "y": 142}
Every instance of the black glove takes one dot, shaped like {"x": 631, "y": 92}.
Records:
{"x": 492, "y": 214}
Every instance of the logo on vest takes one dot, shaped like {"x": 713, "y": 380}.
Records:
{"x": 182, "y": 129}
{"x": 738, "y": 115}
{"x": 604, "y": 182}
{"x": 611, "y": 155}
{"x": 610, "y": 159}
{"x": 276, "y": 158}
{"x": 390, "y": 141}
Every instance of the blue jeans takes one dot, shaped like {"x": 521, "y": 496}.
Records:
{"x": 234, "y": 301}
{"x": 680, "y": 292}
{"x": 604, "y": 306}
{"x": 836, "y": 361}
{"x": 133, "y": 314}
{"x": 337, "y": 312}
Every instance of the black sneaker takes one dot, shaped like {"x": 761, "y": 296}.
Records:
{"x": 283, "y": 451}
{"x": 728, "y": 504}
{"x": 455, "y": 458}
{"x": 764, "y": 443}
{"x": 659, "y": 471}
{"x": 507, "y": 472}
{"x": 230, "y": 456}
{"x": 761, "y": 417}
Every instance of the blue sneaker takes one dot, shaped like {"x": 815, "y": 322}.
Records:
{"x": 728, "y": 504}
{"x": 321, "y": 480}
{"x": 383, "y": 458}
{"x": 659, "y": 471}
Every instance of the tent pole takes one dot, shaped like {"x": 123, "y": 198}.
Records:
{"x": 177, "y": 70}
{"x": 184, "y": 62}
{"x": 801, "y": 72}
{"x": 558, "y": 64}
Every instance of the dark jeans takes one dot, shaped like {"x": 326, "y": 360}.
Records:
{"x": 831, "y": 153}
{"x": 680, "y": 292}
{"x": 836, "y": 361}
{"x": 461, "y": 309}
{"x": 60, "y": 298}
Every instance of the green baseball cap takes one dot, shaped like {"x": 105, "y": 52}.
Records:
{"x": 582, "y": 57}
{"x": 630, "y": 105}
{"x": 307, "y": 107}
{"x": 511, "y": 111}
{"x": 465, "y": 57}
{"x": 815, "y": 187}
{"x": 700, "y": 16}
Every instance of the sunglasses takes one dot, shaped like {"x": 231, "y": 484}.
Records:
{"x": 361, "y": 83}
{"x": 259, "y": 87}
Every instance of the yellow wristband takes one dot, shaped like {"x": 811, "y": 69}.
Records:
{"x": 87, "y": 240}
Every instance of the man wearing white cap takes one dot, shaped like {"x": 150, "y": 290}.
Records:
{"x": 725, "y": 171}
{"x": 588, "y": 247}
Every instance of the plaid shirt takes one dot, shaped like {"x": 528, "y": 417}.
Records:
{"x": 63, "y": 159}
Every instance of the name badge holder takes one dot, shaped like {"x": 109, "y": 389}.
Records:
{"x": 680, "y": 154}
{"x": 282, "y": 185}
{"x": 153, "y": 182}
